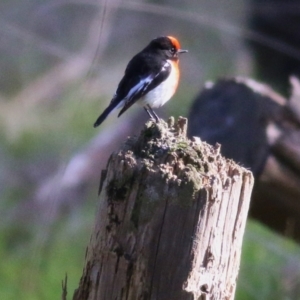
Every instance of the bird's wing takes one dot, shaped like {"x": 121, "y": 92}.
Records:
{"x": 141, "y": 76}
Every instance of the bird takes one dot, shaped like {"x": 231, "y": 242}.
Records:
{"x": 150, "y": 79}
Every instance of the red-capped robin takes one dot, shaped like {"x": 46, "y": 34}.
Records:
{"x": 151, "y": 78}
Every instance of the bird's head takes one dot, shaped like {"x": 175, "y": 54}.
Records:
{"x": 168, "y": 46}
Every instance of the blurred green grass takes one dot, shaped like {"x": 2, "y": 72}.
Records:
{"x": 37, "y": 257}
{"x": 34, "y": 271}
{"x": 267, "y": 266}
{"x": 37, "y": 138}
{"x": 34, "y": 268}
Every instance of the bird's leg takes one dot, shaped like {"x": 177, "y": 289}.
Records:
{"x": 154, "y": 115}
{"x": 148, "y": 112}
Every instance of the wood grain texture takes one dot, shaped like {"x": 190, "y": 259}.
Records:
{"x": 170, "y": 221}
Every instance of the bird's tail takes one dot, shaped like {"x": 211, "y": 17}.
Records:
{"x": 106, "y": 112}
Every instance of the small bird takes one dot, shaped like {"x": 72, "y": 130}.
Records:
{"x": 151, "y": 78}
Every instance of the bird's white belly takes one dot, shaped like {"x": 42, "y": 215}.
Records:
{"x": 162, "y": 93}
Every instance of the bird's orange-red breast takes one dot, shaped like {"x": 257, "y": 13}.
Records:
{"x": 151, "y": 78}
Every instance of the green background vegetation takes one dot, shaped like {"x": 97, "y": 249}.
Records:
{"x": 43, "y": 123}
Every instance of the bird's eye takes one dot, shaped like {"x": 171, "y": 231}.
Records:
{"x": 173, "y": 50}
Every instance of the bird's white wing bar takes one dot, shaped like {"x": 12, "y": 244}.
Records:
{"x": 136, "y": 89}
{"x": 139, "y": 87}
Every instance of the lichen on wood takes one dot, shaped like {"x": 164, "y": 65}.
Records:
{"x": 170, "y": 221}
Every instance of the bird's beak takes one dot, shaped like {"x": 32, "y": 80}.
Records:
{"x": 182, "y": 51}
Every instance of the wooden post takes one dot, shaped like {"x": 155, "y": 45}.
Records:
{"x": 170, "y": 221}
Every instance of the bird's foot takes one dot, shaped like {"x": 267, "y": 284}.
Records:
{"x": 152, "y": 113}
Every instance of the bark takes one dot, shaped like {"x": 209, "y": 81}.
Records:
{"x": 170, "y": 221}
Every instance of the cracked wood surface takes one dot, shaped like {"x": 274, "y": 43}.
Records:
{"x": 170, "y": 221}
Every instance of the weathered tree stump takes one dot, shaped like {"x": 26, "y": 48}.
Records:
{"x": 170, "y": 222}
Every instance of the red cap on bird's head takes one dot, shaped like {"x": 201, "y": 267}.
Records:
{"x": 174, "y": 42}
{"x": 166, "y": 43}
